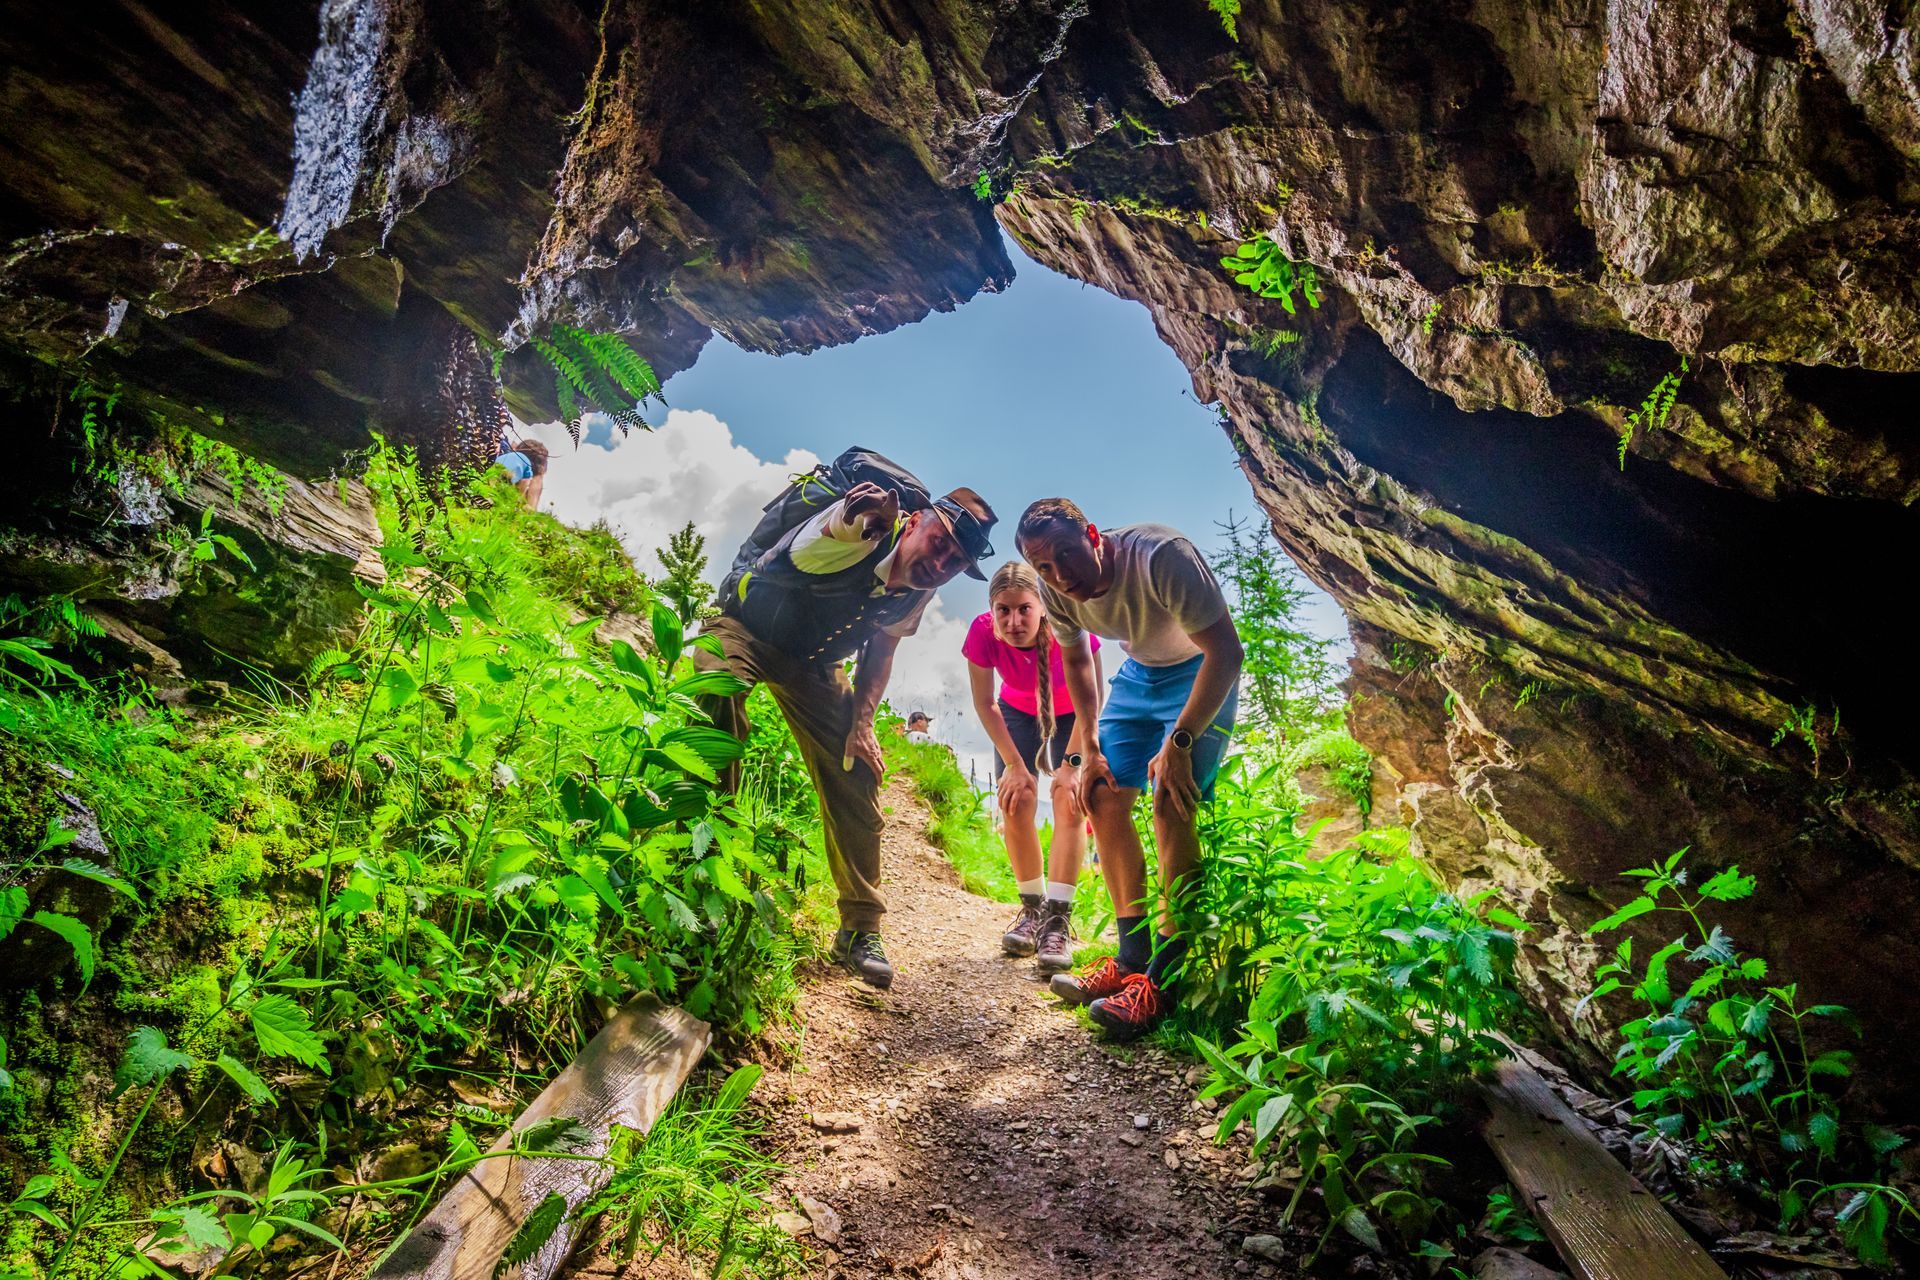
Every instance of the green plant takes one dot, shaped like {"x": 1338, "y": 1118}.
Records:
{"x": 1428, "y": 318}
{"x": 1263, "y": 267}
{"x": 470, "y": 828}
{"x": 1719, "y": 1056}
{"x": 597, "y": 371}
{"x": 1289, "y": 680}
{"x": 1228, "y": 11}
{"x": 1654, "y": 410}
{"x": 696, "y": 1184}
{"x": 983, "y": 186}
{"x": 685, "y": 560}
{"x": 1507, "y": 1218}
{"x": 1804, "y": 724}
{"x": 1349, "y": 764}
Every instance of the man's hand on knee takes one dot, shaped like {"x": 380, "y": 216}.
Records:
{"x": 863, "y": 747}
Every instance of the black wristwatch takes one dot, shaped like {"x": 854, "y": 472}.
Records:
{"x": 1075, "y": 759}
{"x": 1182, "y": 740}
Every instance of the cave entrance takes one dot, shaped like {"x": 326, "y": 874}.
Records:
{"x": 1051, "y": 387}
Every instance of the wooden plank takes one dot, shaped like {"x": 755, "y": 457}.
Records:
{"x": 626, "y": 1075}
{"x": 1604, "y": 1223}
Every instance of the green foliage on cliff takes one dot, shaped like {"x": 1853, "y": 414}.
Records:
{"x": 1262, "y": 266}
{"x": 597, "y": 371}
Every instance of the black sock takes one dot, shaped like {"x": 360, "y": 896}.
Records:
{"x": 1030, "y": 900}
{"x": 1136, "y": 943}
{"x": 1167, "y": 959}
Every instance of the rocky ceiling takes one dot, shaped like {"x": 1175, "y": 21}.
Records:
{"x": 1527, "y": 218}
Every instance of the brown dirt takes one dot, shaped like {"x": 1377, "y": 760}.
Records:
{"x": 996, "y": 1137}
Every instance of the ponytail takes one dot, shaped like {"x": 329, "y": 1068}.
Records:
{"x": 1016, "y": 576}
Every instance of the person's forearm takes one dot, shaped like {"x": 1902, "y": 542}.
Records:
{"x": 1083, "y": 687}
{"x": 1219, "y": 672}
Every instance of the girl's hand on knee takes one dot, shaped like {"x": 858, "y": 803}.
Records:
{"x": 1015, "y": 787}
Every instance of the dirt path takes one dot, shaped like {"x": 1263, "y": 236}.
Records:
{"x": 995, "y": 1139}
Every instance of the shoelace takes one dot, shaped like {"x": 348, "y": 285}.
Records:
{"x": 1134, "y": 1000}
{"x": 1052, "y": 924}
{"x": 866, "y": 946}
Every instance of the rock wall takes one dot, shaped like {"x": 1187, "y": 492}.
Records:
{"x": 1530, "y": 221}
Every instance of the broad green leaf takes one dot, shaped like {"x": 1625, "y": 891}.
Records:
{"x": 1728, "y": 885}
{"x": 532, "y": 1234}
{"x": 250, "y": 1084}
{"x": 196, "y": 1228}
{"x": 147, "y": 1059}
{"x": 1824, "y": 1132}
{"x": 77, "y": 937}
{"x": 100, "y": 875}
{"x": 283, "y": 1030}
{"x": 667, "y": 635}
{"x": 13, "y": 908}
{"x": 578, "y": 897}
{"x": 1633, "y": 910}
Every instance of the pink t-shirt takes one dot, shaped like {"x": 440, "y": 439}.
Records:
{"x": 983, "y": 647}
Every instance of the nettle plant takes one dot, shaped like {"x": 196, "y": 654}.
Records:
{"x": 1730, "y": 1063}
{"x": 1374, "y": 995}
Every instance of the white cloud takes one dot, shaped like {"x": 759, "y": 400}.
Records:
{"x": 647, "y": 484}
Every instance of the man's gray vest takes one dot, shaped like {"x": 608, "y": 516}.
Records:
{"x": 816, "y": 617}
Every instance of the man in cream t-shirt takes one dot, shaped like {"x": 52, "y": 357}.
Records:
{"x": 1166, "y": 720}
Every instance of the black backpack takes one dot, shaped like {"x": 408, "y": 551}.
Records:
{"x": 811, "y": 492}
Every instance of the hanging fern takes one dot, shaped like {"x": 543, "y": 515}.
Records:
{"x": 598, "y": 371}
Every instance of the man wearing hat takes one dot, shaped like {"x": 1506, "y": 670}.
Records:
{"x": 848, "y": 582}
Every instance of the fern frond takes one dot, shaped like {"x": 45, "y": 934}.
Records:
{"x": 564, "y": 366}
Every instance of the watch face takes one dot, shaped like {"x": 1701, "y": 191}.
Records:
{"x": 1182, "y": 739}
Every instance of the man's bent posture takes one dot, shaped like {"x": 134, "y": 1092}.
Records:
{"x": 1166, "y": 720}
{"x": 841, "y": 566}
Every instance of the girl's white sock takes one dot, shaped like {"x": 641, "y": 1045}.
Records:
{"x": 1031, "y": 888}
{"x": 1059, "y": 891}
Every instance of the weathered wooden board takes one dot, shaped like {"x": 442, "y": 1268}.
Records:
{"x": 626, "y": 1075}
{"x": 1604, "y": 1223}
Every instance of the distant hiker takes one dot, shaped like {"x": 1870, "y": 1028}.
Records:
{"x": 526, "y": 465}
{"x": 919, "y": 727}
{"x": 1166, "y": 719}
{"x": 1030, "y": 724}
{"x": 841, "y": 565}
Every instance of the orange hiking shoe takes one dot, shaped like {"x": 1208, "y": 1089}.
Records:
{"x": 1136, "y": 1010}
{"x": 1096, "y": 981}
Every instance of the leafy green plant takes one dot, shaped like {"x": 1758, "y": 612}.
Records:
{"x": 1654, "y": 411}
{"x": 697, "y": 1184}
{"x": 597, "y": 371}
{"x": 1803, "y": 723}
{"x": 1289, "y": 679}
{"x": 1719, "y": 1056}
{"x": 983, "y": 186}
{"x": 1262, "y": 266}
{"x": 1228, "y": 11}
{"x": 685, "y": 560}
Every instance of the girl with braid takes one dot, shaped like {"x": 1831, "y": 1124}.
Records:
{"x": 1029, "y": 722}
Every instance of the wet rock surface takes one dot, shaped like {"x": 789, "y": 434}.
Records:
{"x": 1524, "y": 219}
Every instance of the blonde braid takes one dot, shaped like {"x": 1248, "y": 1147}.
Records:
{"x": 1017, "y": 576}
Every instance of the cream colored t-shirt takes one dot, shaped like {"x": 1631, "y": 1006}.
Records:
{"x": 1162, "y": 593}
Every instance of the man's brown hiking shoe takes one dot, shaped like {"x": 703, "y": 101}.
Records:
{"x": 1054, "y": 952}
{"x": 1136, "y": 1010}
{"x": 860, "y": 954}
{"x": 1096, "y": 981}
{"x": 1023, "y": 935}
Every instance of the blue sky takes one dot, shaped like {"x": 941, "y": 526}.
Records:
{"x": 1049, "y": 388}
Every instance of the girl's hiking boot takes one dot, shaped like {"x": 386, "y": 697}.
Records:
{"x": 1096, "y": 981}
{"x": 1134, "y": 1011}
{"x": 1022, "y": 937}
{"x": 1054, "y": 946}
{"x": 860, "y": 954}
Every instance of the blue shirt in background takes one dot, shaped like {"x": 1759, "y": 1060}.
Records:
{"x": 518, "y": 466}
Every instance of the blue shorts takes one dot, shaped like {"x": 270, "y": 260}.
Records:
{"x": 1143, "y": 704}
